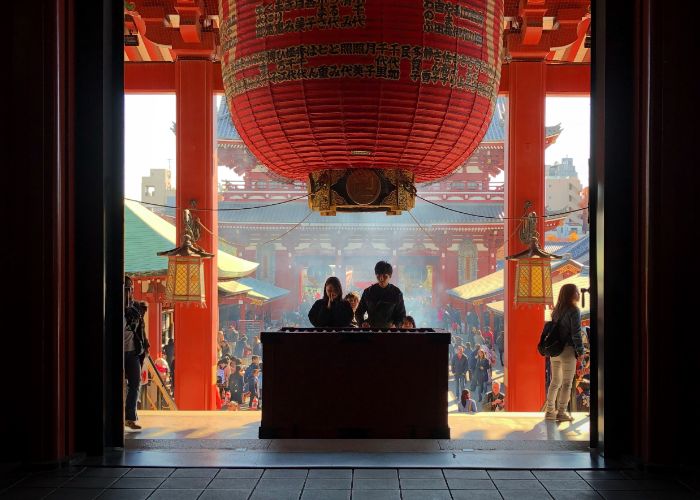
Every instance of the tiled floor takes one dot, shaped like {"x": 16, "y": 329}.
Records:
{"x": 341, "y": 484}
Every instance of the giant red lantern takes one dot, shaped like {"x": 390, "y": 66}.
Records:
{"x": 401, "y": 90}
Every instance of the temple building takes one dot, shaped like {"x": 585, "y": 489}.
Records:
{"x": 290, "y": 68}
{"x": 432, "y": 249}
{"x": 563, "y": 193}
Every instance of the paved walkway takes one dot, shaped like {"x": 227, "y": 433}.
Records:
{"x": 341, "y": 484}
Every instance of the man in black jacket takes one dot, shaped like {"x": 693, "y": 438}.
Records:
{"x": 383, "y": 302}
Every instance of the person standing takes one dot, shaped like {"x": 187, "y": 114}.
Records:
{"x": 488, "y": 337}
{"x": 257, "y": 347}
{"x": 133, "y": 350}
{"x": 567, "y": 315}
{"x": 501, "y": 345}
{"x": 469, "y": 353}
{"x": 235, "y": 384}
{"x": 460, "y": 366}
{"x": 331, "y": 310}
{"x": 483, "y": 365}
{"x": 382, "y": 302}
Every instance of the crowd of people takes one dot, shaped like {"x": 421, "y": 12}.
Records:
{"x": 472, "y": 366}
{"x": 239, "y": 371}
{"x": 475, "y": 353}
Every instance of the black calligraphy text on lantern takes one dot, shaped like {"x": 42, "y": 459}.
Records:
{"x": 327, "y": 14}
{"x": 428, "y": 65}
{"x": 454, "y": 9}
{"x": 448, "y": 11}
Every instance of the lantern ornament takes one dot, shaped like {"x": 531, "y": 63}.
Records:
{"x": 533, "y": 272}
{"x": 185, "y": 281}
{"x": 402, "y": 90}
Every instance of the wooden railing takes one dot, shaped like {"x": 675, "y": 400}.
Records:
{"x": 156, "y": 394}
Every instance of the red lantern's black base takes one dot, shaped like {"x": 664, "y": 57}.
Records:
{"x": 324, "y": 383}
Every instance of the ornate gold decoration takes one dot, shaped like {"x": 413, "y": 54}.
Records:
{"x": 533, "y": 273}
{"x": 361, "y": 190}
{"x": 363, "y": 186}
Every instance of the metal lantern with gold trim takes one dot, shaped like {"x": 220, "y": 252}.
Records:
{"x": 185, "y": 281}
{"x": 533, "y": 272}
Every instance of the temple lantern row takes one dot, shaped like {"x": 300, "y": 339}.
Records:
{"x": 361, "y": 98}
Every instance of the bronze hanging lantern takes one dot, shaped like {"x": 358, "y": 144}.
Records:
{"x": 533, "y": 272}
{"x": 185, "y": 281}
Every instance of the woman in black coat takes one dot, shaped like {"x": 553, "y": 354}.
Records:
{"x": 331, "y": 310}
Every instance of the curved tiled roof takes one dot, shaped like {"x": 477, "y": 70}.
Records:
{"x": 497, "y": 129}
{"x": 487, "y": 285}
{"x": 492, "y": 284}
{"x": 263, "y": 290}
{"x": 225, "y": 130}
{"x": 426, "y": 214}
{"x": 578, "y": 249}
{"x": 146, "y": 233}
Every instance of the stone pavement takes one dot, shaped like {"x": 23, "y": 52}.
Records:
{"x": 77, "y": 483}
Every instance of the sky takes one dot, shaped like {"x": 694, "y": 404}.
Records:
{"x": 149, "y": 142}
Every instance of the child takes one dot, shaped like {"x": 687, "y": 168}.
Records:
{"x": 408, "y": 322}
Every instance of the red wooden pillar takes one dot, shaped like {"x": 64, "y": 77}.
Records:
{"x": 524, "y": 376}
{"x": 195, "y": 344}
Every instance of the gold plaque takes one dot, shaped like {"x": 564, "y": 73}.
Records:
{"x": 363, "y": 186}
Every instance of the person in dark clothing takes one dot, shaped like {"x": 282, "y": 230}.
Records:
{"x": 235, "y": 385}
{"x": 473, "y": 356}
{"x": 257, "y": 347}
{"x": 134, "y": 348}
{"x": 353, "y": 298}
{"x": 241, "y": 346}
{"x": 383, "y": 302}
{"x": 481, "y": 374}
{"x": 460, "y": 366}
{"x": 254, "y": 365}
{"x": 501, "y": 345}
{"x": 408, "y": 322}
{"x": 494, "y": 400}
{"x": 331, "y": 310}
{"x": 563, "y": 367}
{"x": 469, "y": 353}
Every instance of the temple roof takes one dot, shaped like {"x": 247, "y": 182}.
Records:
{"x": 253, "y": 288}
{"x": 579, "y": 250}
{"x": 426, "y": 214}
{"x": 492, "y": 284}
{"x": 146, "y": 233}
{"x": 226, "y": 131}
{"x": 263, "y": 290}
{"x": 233, "y": 287}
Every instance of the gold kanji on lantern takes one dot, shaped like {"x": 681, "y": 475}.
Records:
{"x": 533, "y": 272}
{"x": 185, "y": 281}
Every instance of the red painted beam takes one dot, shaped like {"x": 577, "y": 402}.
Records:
{"x": 159, "y": 78}
{"x": 560, "y": 79}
